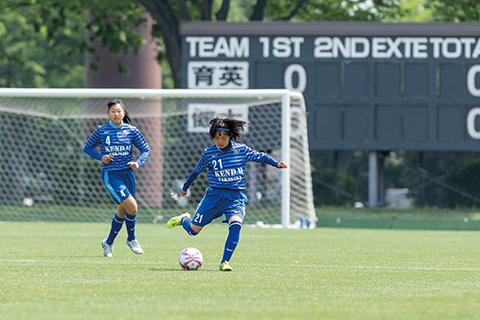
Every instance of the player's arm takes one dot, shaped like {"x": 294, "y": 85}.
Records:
{"x": 261, "y": 157}
{"x": 202, "y": 164}
{"x": 141, "y": 144}
{"x": 92, "y": 142}
{"x": 193, "y": 175}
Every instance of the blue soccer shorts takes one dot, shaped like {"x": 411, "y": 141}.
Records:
{"x": 120, "y": 184}
{"x": 217, "y": 202}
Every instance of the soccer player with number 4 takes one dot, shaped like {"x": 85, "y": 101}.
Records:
{"x": 226, "y": 161}
{"x": 116, "y": 139}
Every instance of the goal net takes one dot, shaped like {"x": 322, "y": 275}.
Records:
{"x": 45, "y": 175}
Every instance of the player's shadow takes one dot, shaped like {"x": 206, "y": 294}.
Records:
{"x": 179, "y": 270}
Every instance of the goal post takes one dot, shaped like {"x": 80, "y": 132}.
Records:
{"x": 44, "y": 174}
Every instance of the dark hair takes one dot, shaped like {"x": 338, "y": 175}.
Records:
{"x": 232, "y": 127}
{"x": 126, "y": 117}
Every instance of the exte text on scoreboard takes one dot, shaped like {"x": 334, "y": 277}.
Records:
{"x": 367, "y": 85}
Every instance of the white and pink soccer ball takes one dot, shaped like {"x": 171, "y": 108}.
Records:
{"x": 190, "y": 259}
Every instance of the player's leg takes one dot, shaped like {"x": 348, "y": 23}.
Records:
{"x": 116, "y": 226}
{"x": 185, "y": 220}
{"x": 204, "y": 214}
{"x": 177, "y": 220}
{"x": 112, "y": 185}
{"x": 125, "y": 190}
{"x": 130, "y": 207}
{"x": 190, "y": 228}
{"x": 235, "y": 213}
{"x": 234, "y": 227}
{"x": 119, "y": 184}
{"x": 207, "y": 210}
{"x": 129, "y": 203}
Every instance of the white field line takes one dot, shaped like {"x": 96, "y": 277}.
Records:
{"x": 296, "y": 265}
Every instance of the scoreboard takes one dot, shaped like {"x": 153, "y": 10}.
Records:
{"x": 367, "y": 85}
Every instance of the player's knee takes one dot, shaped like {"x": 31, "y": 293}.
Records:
{"x": 130, "y": 205}
{"x": 235, "y": 226}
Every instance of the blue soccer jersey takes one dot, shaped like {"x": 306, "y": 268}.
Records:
{"x": 118, "y": 143}
{"x": 226, "y": 170}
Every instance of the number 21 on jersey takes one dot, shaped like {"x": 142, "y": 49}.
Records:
{"x": 198, "y": 218}
{"x": 217, "y": 164}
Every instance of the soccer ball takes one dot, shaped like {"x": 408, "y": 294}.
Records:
{"x": 190, "y": 259}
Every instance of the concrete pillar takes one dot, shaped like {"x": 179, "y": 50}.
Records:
{"x": 382, "y": 158}
{"x": 373, "y": 179}
{"x": 145, "y": 72}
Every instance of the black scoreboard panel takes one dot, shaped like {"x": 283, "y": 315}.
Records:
{"x": 367, "y": 85}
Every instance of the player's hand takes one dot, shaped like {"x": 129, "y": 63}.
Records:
{"x": 107, "y": 159}
{"x": 184, "y": 193}
{"x": 282, "y": 164}
{"x": 133, "y": 165}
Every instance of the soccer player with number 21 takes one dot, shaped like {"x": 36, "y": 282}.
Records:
{"x": 116, "y": 139}
{"x": 225, "y": 160}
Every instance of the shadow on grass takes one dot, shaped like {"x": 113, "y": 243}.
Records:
{"x": 180, "y": 270}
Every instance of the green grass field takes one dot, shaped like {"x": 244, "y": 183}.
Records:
{"x": 57, "y": 271}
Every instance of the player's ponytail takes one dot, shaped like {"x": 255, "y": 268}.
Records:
{"x": 126, "y": 117}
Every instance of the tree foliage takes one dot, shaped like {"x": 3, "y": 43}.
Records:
{"x": 332, "y": 10}
{"x": 29, "y": 57}
{"x": 454, "y": 10}
{"x": 113, "y": 21}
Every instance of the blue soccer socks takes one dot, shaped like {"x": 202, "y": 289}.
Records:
{"x": 130, "y": 223}
{"x": 117, "y": 224}
{"x": 186, "y": 225}
{"x": 232, "y": 240}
